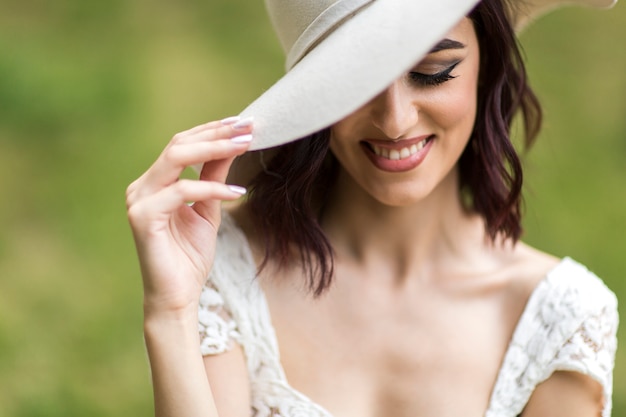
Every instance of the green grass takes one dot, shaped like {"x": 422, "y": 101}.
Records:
{"x": 91, "y": 92}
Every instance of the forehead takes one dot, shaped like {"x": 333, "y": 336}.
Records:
{"x": 463, "y": 32}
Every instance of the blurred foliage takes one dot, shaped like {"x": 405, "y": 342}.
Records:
{"x": 91, "y": 91}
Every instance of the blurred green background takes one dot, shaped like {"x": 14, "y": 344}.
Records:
{"x": 91, "y": 91}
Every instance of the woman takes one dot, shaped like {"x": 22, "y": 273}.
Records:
{"x": 379, "y": 255}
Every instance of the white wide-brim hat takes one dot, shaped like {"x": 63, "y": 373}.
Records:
{"x": 343, "y": 53}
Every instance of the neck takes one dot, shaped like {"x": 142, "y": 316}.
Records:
{"x": 405, "y": 240}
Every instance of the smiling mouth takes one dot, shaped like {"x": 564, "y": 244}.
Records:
{"x": 399, "y": 153}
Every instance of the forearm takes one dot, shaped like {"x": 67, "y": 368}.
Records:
{"x": 181, "y": 387}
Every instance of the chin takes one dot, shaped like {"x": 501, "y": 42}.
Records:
{"x": 400, "y": 196}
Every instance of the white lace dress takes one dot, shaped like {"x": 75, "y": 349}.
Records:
{"x": 569, "y": 323}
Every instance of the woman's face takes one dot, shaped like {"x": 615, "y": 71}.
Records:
{"x": 404, "y": 143}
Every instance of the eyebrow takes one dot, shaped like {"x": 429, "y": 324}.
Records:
{"x": 446, "y": 44}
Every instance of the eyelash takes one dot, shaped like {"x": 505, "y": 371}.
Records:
{"x": 433, "y": 79}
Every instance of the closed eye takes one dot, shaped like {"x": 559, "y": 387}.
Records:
{"x": 433, "y": 79}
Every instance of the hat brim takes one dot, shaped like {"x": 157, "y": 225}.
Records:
{"x": 527, "y": 10}
{"x": 360, "y": 59}
{"x": 350, "y": 67}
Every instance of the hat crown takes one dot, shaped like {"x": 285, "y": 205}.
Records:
{"x": 302, "y": 24}
{"x": 290, "y": 18}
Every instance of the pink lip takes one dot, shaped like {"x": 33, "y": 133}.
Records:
{"x": 400, "y": 165}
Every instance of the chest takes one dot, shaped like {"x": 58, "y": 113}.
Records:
{"x": 369, "y": 353}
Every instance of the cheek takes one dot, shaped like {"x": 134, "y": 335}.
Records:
{"x": 350, "y": 125}
{"x": 455, "y": 108}
{"x": 344, "y": 133}
{"x": 344, "y": 150}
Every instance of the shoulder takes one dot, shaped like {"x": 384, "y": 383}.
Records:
{"x": 568, "y": 300}
{"x": 579, "y": 305}
{"x": 572, "y": 290}
{"x": 569, "y": 323}
{"x": 559, "y": 286}
{"x": 230, "y": 292}
{"x": 571, "y": 337}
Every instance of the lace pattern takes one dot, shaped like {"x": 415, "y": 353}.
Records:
{"x": 217, "y": 329}
{"x": 232, "y": 295}
{"x": 569, "y": 323}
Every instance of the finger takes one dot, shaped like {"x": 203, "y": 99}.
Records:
{"x": 161, "y": 173}
{"x": 184, "y": 155}
{"x": 216, "y": 170}
{"x": 204, "y": 126}
{"x": 228, "y": 121}
{"x": 161, "y": 205}
{"x": 231, "y": 128}
{"x": 167, "y": 168}
{"x": 210, "y": 209}
{"x": 215, "y": 131}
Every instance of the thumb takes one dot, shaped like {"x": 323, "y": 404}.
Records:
{"x": 210, "y": 209}
{"x": 216, "y": 170}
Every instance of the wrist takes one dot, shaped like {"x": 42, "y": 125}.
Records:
{"x": 179, "y": 332}
{"x": 154, "y": 315}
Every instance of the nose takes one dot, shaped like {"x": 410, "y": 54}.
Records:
{"x": 394, "y": 111}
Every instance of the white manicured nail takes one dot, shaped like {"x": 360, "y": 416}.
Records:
{"x": 237, "y": 189}
{"x": 230, "y": 120}
{"x": 243, "y": 123}
{"x": 242, "y": 139}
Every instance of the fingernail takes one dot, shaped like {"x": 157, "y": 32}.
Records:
{"x": 230, "y": 120}
{"x": 243, "y": 123}
{"x": 237, "y": 189}
{"x": 242, "y": 139}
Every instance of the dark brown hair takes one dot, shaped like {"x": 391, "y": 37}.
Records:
{"x": 287, "y": 199}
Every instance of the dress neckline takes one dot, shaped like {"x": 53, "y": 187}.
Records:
{"x": 523, "y": 322}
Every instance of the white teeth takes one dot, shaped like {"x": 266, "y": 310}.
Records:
{"x": 403, "y": 153}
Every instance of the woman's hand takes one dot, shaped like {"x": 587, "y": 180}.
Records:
{"x": 175, "y": 239}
